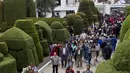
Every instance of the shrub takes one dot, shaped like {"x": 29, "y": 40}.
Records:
{"x": 8, "y": 65}
{"x": 64, "y": 23}
{"x": 125, "y": 27}
{"x": 45, "y": 47}
{"x": 107, "y": 67}
{"x": 78, "y": 26}
{"x": 70, "y": 18}
{"x": 3, "y": 26}
{"x": 95, "y": 18}
{"x": 84, "y": 6}
{"x": 121, "y": 57}
{"x": 127, "y": 11}
{"x": 46, "y": 30}
{"x": 56, "y": 25}
{"x": 1, "y": 57}
{"x": 18, "y": 9}
{"x": 3, "y": 48}
{"x": 49, "y": 21}
{"x": 21, "y": 47}
{"x": 27, "y": 24}
{"x": 1, "y": 16}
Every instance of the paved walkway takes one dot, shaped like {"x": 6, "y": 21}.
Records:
{"x": 48, "y": 69}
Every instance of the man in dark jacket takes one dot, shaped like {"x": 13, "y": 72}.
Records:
{"x": 107, "y": 52}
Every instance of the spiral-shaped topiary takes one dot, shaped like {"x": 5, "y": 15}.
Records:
{"x": 56, "y": 25}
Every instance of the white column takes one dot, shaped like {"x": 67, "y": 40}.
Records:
{"x": 63, "y": 3}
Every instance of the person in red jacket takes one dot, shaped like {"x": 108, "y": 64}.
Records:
{"x": 70, "y": 69}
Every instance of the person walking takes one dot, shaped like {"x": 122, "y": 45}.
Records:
{"x": 55, "y": 62}
{"x": 88, "y": 69}
{"x": 64, "y": 53}
{"x": 107, "y": 52}
{"x": 70, "y": 70}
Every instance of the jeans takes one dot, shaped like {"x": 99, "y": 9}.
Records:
{"x": 55, "y": 68}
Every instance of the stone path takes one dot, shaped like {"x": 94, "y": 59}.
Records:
{"x": 48, "y": 69}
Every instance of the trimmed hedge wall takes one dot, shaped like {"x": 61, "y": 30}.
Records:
{"x": 46, "y": 30}
{"x": 17, "y": 9}
{"x": 1, "y": 57}
{"x": 45, "y": 47}
{"x": 8, "y": 65}
{"x": 49, "y": 21}
{"x": 56, "y": 25}
{"x": 3, "y": 26}
{"x": 28, "y": 25}
{"x": 21, "y": 47}
{"x": 125, "y": 27}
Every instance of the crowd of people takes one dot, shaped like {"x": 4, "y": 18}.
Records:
{"x": 87, "y": 46}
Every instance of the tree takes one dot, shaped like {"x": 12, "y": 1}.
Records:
{"x": 44, "y": 6}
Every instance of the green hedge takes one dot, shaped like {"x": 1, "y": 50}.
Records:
{"x": 56, "y": 25}
{"x": 21, "y": 47}
{"x": 49, "y": 21}
{"x": 64, "y": 23}
{"x": 125, "y": 27}
{"x": 1, "y": 57}
{"x": 17, "y": 9}
{"x": 70, "y": 18}
{"x": 1, "y": 11}
{"x": 84, "y": 6}
{"x": 29, "y": 25}
{"x": 127, "y": 11}
{"x": 46, "y": 30}
{"x": 3, "y": 26}
{"x": 78, "y": 26}
{"x": 107, "y": 67}
{"x": 8, "y": 65}
{"x": 45, "y": 47}
{"x": 3, "y": 48}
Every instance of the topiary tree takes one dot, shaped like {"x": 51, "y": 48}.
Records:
{"x": 21, "y": 47}
{"x": 1, "y": 57}
{"x": 18, "y": 9}
{"x": 125, "y": 27}
{"x": 28, "y": 26}
{"x": 84, "y": 6}
{"x": 3, "y": 48}
{"x": 64, "y": 23}
{"x": 59, "y": 34}
{"x": 1, "y": 12}
{"x": 78, "y": 26}
{"x": 85, "y": 20}
{"x": 127, "y": 11}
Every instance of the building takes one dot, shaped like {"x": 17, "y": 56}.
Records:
{"x": 71, "y": 6}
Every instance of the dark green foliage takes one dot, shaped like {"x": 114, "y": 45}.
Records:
{"x": 95, "y": 18}
{"x": 64, "y": 23}
{"x": 125, "y": 27}
{"x": 8, "y": 65}
{"x": 60, "y": 35}
{"x": 3, "y": 48}
{"x": 49, "y": 21}
{"x": 121, "y": 57}
{"x": 107, "y": 67}
{"x": 28, "y": 25}
{"x": 1, "y": 11}
{"x": 78, "y": 26}
{"x": 70, "y": 18}
{"x": 127, "y": 11}
{"x": 84, "y": 6}
{"x": 85, "y": 20}
{"x": 56, "y": 25}
{"x": 1, "y": 57}
{"x": 45, "y": 47}
{"x": 3, "y": 26}
{"x": 18, "y": 9}
{"x": 46, "y": 30}
{"x": 21, "y": 47}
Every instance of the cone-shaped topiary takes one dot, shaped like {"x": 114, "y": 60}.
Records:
{"x": 21, "y": 47}
{"x": 78, "y": 26}
{"x": 28, "y": 26}
{"x": 84, "y": 6}
{"x": 3, "y": 48}
{"x": 70, "y": 18}
{"x": 46, "y": 30}
{"x": 125, "y": 27}
{"x": 56, "y": 25}
{"x": 127, "y": 11}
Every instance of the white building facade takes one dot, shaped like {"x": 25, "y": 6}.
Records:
{"x": 71, "y": 6}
